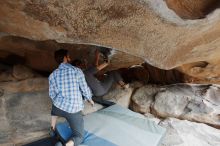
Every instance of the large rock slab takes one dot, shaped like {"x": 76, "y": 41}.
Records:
{"x": 25, "y": 111}
{"x": 88, "y": 108}
{"x": 21, "y": 72}
{"x": 186, "y": 133}
{"x": 143, "y": 98}
{"x": 39, "y": 55}
{"x": 15, "y": 73}
{"x": 6, "y": 76}
{"x": 192, "y": 9}
{"x": 33, "y": 84}
{"x": 24, "y": 116}
{"x": 119, "y": 96}
{"x": 147, "y": 29}
{"x": 6, "y": 73}
{"x": 189, "y": 101}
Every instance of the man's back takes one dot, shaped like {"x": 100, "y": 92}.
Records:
{"x": 67, "y": 85}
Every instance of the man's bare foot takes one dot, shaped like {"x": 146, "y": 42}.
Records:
{"x": 70, "y": 143}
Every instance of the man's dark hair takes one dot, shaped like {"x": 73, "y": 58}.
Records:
{"x": 59, "y": 55}
{"x": 76, "y": 62}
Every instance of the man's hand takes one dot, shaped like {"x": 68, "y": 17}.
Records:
{"x": 97, "y": 52}
{"x": 91, "y": 102}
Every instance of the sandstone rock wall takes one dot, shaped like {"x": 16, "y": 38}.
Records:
{"x": 25, "y": 109}
{"x": 193, "y": 9}
{"x": 147, "y": 29}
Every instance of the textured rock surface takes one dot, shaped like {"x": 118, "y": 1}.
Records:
{"x": 193, "y": 9}
{"x": 6, "y": 76}
{"x": 192, "y": 102}
{"x": 185, "y": 133}
{"x": 25, "y": 111}
{"x": 33, "y": 84}
{"x": 24, "y": 116}
{"x": 39, "y": 55}
{"x": 21, "y": 72}
{"x": 89, "y": 109}
{"x": 119, "y": 96}
{"x": 6, "y": 73}
{"x": 204, "y": 72}
{"x": 135, "y": 73}
{"x": 164, "y": 77}
{"x": 147, "y": 28}
{"x": 137, "y": 30}
{"x": 16, "y": 73}
{"x": 143, "y": 98}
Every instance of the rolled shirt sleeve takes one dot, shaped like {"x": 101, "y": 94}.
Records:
{"x": 53, "y": 91}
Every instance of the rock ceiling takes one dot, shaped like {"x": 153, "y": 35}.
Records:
{"x": 167, "y": 34}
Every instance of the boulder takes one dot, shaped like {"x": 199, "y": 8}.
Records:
{"x": 119, "y": 96}
{"x": 21, "y": 72}
{"x": 193, "y": 102}
{"x": 169, "y": 103}
{"x": 186, "y": 133}
{"x": 39, "y": 55}
{"x": 25, "y": 111}
{"x": 6, "y": 76}
{"x": 136, "y": 85}
{"x": 88, "y": 108}
{"x": 143, "y": 98}
{"x": 24, "y": 116}
{"x": 192, "y": 9}
{"x": 33, "y": 84}
{"x": 147, "y": 30}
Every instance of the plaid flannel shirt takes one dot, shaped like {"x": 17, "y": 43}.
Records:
{"x": 67, "y": 85}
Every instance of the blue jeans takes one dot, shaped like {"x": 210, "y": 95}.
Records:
{"x": 75, "y": 121}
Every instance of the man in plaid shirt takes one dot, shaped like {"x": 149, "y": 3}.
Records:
{"x": 67, "y": 86}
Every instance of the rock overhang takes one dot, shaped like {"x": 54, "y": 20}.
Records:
{"x": 147, "y": 29}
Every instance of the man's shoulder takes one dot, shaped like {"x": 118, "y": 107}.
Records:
{"x": 52, "y": 74}
{"x": 78, "y": 70}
